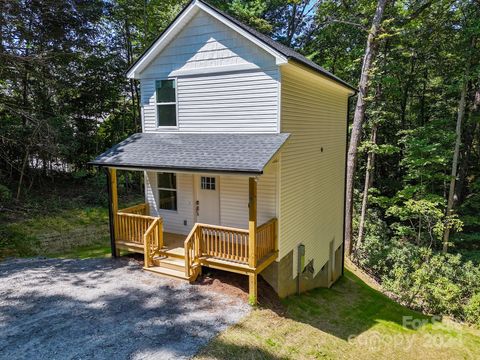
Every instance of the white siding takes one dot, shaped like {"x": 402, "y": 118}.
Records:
{"x": 234, "y": 198}
{"x": 241, "y": 102}
{"x": 216, "y": 99}
{"x": 311, "y": 181}
{"x": 173, "y": 220}
{"x": 204, "y": 43}
{"x": 230, "y": 102}
{"x": 147, "y": 91}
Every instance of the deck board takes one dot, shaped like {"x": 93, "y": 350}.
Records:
{"x": 174, "y": 244}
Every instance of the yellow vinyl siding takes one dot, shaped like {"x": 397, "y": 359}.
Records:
{"x": 314, "y": 111}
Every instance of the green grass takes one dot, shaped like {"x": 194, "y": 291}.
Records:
{"x": 28, "y": 237}
{"x": 349, "y": 321}
{"x": 65, "y": 215}
{"x": 96, "y": 250}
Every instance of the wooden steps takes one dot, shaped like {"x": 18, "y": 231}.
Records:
{"x": 165, "y": 271}
{"x": 171, "y": 263}
{"x": 176, "y": 252}
{"x": 129, "y": 246}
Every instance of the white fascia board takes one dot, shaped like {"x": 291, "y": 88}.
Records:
{"x": 280, "y": 59}
{"x": 162, "y": 41}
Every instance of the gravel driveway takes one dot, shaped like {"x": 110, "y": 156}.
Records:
{"x": 105, "y": 309}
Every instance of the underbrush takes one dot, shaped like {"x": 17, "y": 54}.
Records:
{"x": 424, "y": 279}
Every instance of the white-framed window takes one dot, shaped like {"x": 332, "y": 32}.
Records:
{"x": 167, "y": 191}
{"x": 207, "y": 183}
{"x": 166, "y": 103}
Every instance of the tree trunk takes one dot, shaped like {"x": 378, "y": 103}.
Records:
{"x": 22, "y": 172}
{"x": 368, "y": 184}
{"x": 370, "y": 53}
{"x": 458, "y": 131}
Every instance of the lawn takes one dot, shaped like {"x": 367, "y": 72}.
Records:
{"x": 68, "y": 232}
{"x": 349, "y": 321}
{"x": 67, "y": 219}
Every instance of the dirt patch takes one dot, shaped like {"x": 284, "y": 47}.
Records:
{"x": 230, "y": 284}
{"x": 236, "y": 286}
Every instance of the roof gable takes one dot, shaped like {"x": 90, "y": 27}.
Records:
{"x": 281, "y": 52}
{"x": 205, "y": 44}
{"x": 176, "y": 27}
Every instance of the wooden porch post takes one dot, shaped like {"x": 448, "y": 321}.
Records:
{"x": 113, "y": 207}
{"x": 252, "y": 231}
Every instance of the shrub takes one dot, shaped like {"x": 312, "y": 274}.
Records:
{"x": 420, "y": 278}
{"x": 5, "y": 193}
{"x": 472, "y": 309}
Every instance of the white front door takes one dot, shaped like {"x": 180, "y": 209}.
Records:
{"x": 208, "y": 200}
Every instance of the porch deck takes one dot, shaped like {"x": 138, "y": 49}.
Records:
{"x": 181, "y": 256}
{"x": 173, "y": 244}
{"x": 245, "y": 251}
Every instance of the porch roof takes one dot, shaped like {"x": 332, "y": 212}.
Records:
{"x": 228, "y": 153}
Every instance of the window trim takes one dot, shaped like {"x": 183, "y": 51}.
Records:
{"x": 168, "y": 189}
{"x": 166, "y": 103}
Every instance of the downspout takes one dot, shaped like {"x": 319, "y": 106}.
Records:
{"x": 345, "y": 181}
{"x": 110, "y": 213}
{"x": 300, "y": 264}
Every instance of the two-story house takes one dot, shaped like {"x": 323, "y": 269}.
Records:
{"x": 243, "y": 153}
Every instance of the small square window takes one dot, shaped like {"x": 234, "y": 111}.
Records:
{"x": 207, "y": 183}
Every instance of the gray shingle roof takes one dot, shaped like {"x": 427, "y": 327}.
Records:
{"x": 231, "y": 153}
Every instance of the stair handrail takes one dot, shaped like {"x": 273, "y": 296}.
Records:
{"x": 152, "y": 248}
{"x": 192, "y": 251}
{"x": 139, "y": 209}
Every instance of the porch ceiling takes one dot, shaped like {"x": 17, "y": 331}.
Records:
{"x": 228, "y": 153}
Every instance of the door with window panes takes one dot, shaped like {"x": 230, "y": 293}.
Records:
{"x": 208, "y": 200}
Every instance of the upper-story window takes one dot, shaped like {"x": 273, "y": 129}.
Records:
{"x": 166, "y": 103}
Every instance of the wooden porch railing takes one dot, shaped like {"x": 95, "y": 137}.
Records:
{"x": 131, "y": 227}
{"x": 266, "y": 238}
{"x": 192, "y": 252}
{"x": 140, "y": 209}
{"x": 218, "y": 242}
{"x": 226, "y": 243}
{"x": 134, "y": 227}
{"x": 152, "y": 241}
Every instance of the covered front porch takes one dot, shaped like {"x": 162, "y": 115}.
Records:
{"x": 245, "y": 251}
{"x": 196, "y": 187}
